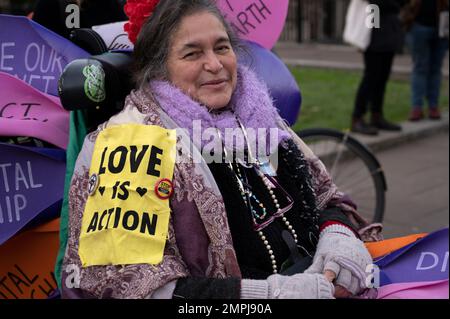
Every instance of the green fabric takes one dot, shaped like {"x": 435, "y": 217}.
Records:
{"x": 78, "y": 131}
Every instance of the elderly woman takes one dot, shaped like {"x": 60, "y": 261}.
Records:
{"x": 157, "y": 212}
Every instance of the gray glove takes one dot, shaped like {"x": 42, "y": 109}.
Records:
{"x": 300, "y": 286}
{"x": 340, "y": 251}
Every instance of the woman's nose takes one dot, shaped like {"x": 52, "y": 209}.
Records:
{"x": 212, "y": 63}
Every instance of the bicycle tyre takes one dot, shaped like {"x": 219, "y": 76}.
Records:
{"x": 360, "y": 153}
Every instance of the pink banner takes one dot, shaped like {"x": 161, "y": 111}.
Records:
{"x": 415, "y": 290}
{"x": 419, "y": 270}
{"x": 260, "y": 21}
{"x": 25, "y": 111}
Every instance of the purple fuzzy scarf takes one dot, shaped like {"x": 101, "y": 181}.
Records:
{"x": 251, "y": 103}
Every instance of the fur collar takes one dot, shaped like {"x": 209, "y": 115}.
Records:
{"x": 251, "y": 103}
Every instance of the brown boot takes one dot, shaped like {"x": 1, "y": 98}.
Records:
{"x": 360, "y": 126}
{"x": 382, "y": 124}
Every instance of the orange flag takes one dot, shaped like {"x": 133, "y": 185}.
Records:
{"x": 27, "y": 262}
{"x": 384, "y": 247}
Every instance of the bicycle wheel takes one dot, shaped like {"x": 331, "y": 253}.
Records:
{"x": 354, "y": 169}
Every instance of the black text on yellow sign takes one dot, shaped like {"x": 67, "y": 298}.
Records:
{"x": 125, "y": 221}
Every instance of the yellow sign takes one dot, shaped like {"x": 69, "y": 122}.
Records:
{"x": 125, "y": 220}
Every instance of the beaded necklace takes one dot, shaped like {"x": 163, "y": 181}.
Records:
{"x": 258, "y": 211}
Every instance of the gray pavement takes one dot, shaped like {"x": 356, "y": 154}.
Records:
{"x": 410, "y": 133}
{"x": 417, "y": 175}
{"x": 415, "y": 162}
{"x": 339, "y": 57}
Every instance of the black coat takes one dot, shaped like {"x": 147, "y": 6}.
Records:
{"x": 390, "y": 36}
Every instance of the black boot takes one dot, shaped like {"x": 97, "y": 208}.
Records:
{"x": 380, "y": 123}
{"x": 360, "y": 126}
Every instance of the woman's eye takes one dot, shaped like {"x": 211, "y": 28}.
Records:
{"x": 223, "y": 48}
{"x": 190, "y": 55}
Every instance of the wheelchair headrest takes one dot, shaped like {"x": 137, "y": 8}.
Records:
{"x": 99, "y": 83}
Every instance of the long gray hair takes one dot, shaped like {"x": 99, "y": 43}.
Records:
{"x": 152, "y": 46}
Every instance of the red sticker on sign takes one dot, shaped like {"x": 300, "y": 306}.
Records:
{"x": 164, "y": 188}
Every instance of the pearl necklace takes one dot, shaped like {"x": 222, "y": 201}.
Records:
{"x": 247, "y": 195}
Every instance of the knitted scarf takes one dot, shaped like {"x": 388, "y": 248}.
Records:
{"x": 250, "y": 103}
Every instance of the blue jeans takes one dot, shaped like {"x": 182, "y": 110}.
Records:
{"x": 428, "y": 53}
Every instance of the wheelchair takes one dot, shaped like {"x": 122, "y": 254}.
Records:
{"x": 354, "y": 168}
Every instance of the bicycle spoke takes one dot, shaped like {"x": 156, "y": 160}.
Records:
{"x": 363, "y": 191}
{"x": 351, "y": 172}
{"x": 350, "y": 168}
{"x": 356, "y": 182}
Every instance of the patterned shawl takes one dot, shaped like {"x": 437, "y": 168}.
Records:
{"x": 199, "y": 240}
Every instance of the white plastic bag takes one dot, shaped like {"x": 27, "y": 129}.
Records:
{"x": 114, "y": 35}
{"x": 443, "y": 24}
{"x": 356, "y": 32}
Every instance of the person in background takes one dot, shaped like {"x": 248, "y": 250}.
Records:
{"x": 378, "y": 58}
{"x": 428, "y": 45}
{"x": 52, "y": 15}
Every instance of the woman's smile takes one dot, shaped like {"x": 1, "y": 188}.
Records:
{"x": 215, "y": 84}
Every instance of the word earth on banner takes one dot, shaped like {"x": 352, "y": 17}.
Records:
{"x": 260, "y": 21}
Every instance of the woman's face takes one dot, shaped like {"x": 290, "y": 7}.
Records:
{"x": 201, "y": 61}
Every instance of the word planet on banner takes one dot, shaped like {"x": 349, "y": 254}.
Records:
{"x": 35, "y": 54}
{"x": 260, "y": 21}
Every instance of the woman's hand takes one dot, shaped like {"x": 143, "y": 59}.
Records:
{"x": 299, "y": 286}
{"x": 339, "y": 291}
{"x": 343, "y": 260}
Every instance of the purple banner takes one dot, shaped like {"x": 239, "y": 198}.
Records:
{"x": 282, "y": 85}
{"x": 30, "y": 182}
{"x": 425, "y": 260}
{"x": 35, "y": 54}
